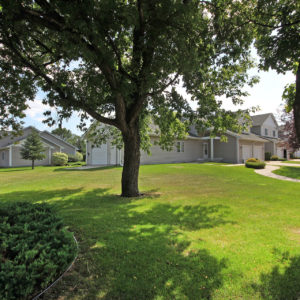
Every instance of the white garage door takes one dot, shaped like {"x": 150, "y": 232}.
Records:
{"x": 246, "y": 152}
{"x": 258, "y": 152}
{"x": 113, "y": 155}
{"x": 99, "y": 155}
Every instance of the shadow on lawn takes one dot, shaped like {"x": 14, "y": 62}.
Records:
{"x": 128, "y": 251}
{"x": 282, "y": 283}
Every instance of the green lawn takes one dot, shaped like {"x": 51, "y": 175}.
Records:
{"x": 291, "y": 162}
{"x": 199, "y": 232}
{"x": 288, "y": 172}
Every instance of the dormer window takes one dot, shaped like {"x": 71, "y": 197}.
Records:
{"x": 266, "y": 131}
{"x": 274, "y": 133}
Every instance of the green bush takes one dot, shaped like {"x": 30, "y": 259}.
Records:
{"x": 256, "y": 165}
{"x": 35, "y": 249}
{"x": 268, "y": 156}
{"x": 59, "y": 159}
{"x": 75, "y": 158}
{"x": 252, "y": 159}
{"x": 274, "y": 157}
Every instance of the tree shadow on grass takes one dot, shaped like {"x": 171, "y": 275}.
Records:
{"x": 283, "y": 282}
{"x": 132, "y": 251}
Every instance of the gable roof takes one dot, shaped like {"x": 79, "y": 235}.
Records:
{"x": 10, "y": 140}
{"x": 258, "y": 120}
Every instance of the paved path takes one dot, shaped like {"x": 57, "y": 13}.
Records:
{"x": 268, "y": 172}
{"x": 282, "y": 164}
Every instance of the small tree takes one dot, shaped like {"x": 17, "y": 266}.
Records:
{"x": 33, "y": 148}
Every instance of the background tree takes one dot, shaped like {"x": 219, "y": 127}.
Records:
{"x": 278, "y": 42}
{"x": 115, "y": 61}
{"x": 33, "y": 148}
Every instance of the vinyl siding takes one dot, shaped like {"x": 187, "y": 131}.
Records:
{"x": 226, "y": 150}
{"x": 4, "y": 162}
{"x": 192, "y": 151}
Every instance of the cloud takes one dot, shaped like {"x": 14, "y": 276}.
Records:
{"x": 36, "y": 109}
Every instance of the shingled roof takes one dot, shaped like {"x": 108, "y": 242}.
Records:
{"x": 258, "y": 120}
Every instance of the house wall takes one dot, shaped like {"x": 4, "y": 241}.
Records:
{"x": 65, "y": 147}
{"x": 271, "y": 126}
{"x": 17, "y": 161}
{"x": 269, "y": 147}
{"x": 256, "y": 130}
{"x": 4, "y": 162}
{"x": 192, "y": 151}
{"x": 226, "y": 150}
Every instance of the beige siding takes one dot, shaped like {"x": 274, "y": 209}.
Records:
{"x": 4, "y": 158}
{"x": 65, "y": 147}
{"x": 271, "y": 126}
{"x": 269, "y": 147}
{"x": 192, "y": 151}
{"x": 17, "y": 161}
{"x": 226, "y": 150}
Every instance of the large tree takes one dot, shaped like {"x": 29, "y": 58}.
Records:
{"x": 278, "y": 42}
{"x": 115, "y": 61}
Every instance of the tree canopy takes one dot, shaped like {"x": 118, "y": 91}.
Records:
{"x": 278, "y": 43}
{"x": 116, "y": 61}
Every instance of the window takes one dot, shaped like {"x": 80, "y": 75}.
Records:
{"x": 180, "y": 146}
{"x": 274, "y": 133}
{"x": 266, "y": 131}
{"x": 3, "y": 155}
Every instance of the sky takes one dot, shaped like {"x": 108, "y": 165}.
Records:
{"x": 266, "y": 94}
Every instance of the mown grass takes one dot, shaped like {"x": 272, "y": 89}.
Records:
{"x": 200, "y": 231}
{"x": 291, "y": 162}
{"x": 288, "y": 172}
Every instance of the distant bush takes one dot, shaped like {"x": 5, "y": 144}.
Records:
{"x": 268, "y": 156}
{"x": 59, "y": 159}
{"x": 252, "y": 159}
{"x": 282, "y": 159}
{"x": 35, "y": 249}
{"x": 74, "y": 158}
{"x": 274, "y": 157}
{"x": 255, "y": 165}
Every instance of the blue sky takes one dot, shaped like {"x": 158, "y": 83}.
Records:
{"x": 266, "y": 94}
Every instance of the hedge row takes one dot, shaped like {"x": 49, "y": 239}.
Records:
{"x": 35, "y": 249}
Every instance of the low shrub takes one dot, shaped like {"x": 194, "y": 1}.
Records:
{"x": 59, "y": 159}
{"x": 256, "y": 165}
{"x": 35, "y": 249}
{"x": 75, "y": 158}
{"x": 268, "y": 156}
{"x": 274, "y": 157}
{"x": 252, "y": 159}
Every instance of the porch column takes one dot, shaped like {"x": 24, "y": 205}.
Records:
{"x": 211, "y": 149}
{"x": 10, "y": 156}
{"x": 86, "y": 152}
{"x": 49, "y": 156}
{"x": 237, "y": 151}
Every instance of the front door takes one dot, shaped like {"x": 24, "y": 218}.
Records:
{"x": 205, "y": 150}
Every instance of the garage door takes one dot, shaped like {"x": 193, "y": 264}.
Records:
{"x": 258, "y": 152}
{"x": 99, "y": 155}
{"x": 246, "y": 152}
{"x": 113, "y": 155}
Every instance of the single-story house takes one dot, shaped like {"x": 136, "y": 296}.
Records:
{"x": 237, "y": 149}
{"x": 10, "y": 147}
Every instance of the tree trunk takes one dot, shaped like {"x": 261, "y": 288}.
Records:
{"x": 296, "y": 106}
{"x": 131, "y": 165}
{"x": 32, "y": 165}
